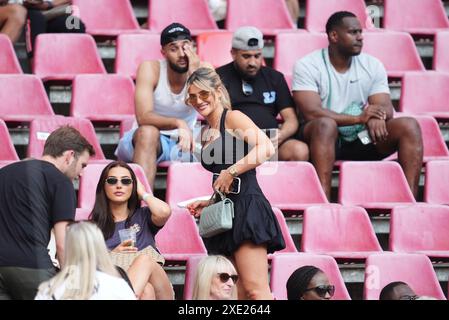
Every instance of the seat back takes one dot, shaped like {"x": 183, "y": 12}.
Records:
{"x": 441, "y": 52}
{"x": 194, "y": 14}
{"x": 414, "y": 269}
{"x": 133, "y": 49}
{"x": 106, "y": 15}
{"x": 8, "y": 59}
{"x": 190, "y": 275}
{"x": 62, "y": 56}
{"x": 23, "y": 96}
{"x": 215, "y": 47}
{"x": 404, "y": 14}
{"x": 41, "y": 128}
{"x": 319, "y": 11}
{"x": 436, "y": 178}
{"x": 117, "y": 96}
{"x": 337, "y": 229}
{"x": 283, "y": 265}
{"x": 364, "y": 182}
{"x": 7, "y": 150}
{"x": 433, "y": 141}
{"x": 264, "y": 14}
{"x": 289, "y": 243}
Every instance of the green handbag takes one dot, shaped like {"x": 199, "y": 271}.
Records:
{"x": 217, "y": 217}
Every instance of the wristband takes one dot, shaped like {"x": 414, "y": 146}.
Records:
{"x": 49, "y": 5}
{"x": 145, "y": 195}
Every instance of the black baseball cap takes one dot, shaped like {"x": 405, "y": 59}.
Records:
{"x": 175, "y": 32}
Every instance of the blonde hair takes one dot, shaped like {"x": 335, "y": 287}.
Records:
{"x": 207, "y": 79}
{"x": 208, "y": 267}
{"x": 85, "y": 254}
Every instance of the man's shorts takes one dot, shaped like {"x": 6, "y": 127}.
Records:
{"x": 169, "y": 147}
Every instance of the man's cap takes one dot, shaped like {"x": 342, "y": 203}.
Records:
{"x": 174, "y": 32}
{"x": 247, "y": 38}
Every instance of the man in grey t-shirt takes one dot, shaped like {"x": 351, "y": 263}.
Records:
{"x": 344, "y": 97}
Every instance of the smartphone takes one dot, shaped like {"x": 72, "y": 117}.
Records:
{"x": 235, "y": 187}
{"x": 364, "y": 137}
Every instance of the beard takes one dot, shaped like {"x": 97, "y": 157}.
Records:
{"x": 245, "y": 76}
{"x": 177, "y": 68}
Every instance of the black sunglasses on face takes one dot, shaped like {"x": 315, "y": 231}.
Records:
{"x": 125, "y": 181}
{"x": 322, "y": 290}
{"x": 224, "y": 277}
{"x": 247, "y": 88}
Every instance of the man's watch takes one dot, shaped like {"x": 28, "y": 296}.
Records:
{"x": 233, "y": 171}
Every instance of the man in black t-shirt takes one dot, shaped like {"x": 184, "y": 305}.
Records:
{"x": 36, "y": 196}
{"x": 262, "y": 93}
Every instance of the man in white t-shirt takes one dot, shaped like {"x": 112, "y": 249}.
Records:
{"x": 343, "y": 96}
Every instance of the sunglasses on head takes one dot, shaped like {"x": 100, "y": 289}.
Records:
{"x": 203, "y": 95}
{"x": 124, "y": 181}
{"x": 224, "y": 277}
{"x": 322, "y": 290}
{"x": 247, "y": 88}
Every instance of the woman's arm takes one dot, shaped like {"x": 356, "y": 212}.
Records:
{"x": 160, "y": 210}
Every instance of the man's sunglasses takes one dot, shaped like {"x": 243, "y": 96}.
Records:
{"x": 224, "y": 277}
{"x": 125, "y": 181}
{"x": 247, "y": 88}
{"x": 322, "y": 290}
{"x": 203, "y": 95}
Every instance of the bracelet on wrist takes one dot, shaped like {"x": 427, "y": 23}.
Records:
{"x": 145, "y": 196}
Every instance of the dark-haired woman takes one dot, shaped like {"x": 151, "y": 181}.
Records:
{"x": 309, "y": 283}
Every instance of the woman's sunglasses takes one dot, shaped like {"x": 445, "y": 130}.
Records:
{"x": 203, "y": 95}
{"x": 125, "y": 181}
{"x": 322, "y": 290}
{"x": 224, "y": 277}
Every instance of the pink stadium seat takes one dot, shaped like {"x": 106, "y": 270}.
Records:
{"x": 289, "y": 243}
{"x": 425, "y": 93}
{"x": 441, "y": 52}
{"x": 179, "y": 238}
{"x": 189, "y": 280}
{"x": 436, "y": 178}
{"x": 194, "y": 14}
{"x": 283, "y": 265}
{"x": 215, "y": 47}
{"x": 23, "y": 98}
{"x": 133, "y": 49}
{"x": 415, "y": 16}
{"x": 283, "y": 183}
{"x": 116, "y": 102}
{"x": 420, "y": 229}
{"x": 341, "y": 232}
{"x": 414, "y": 269}
{"x": 7, "y": 150}
{"x": 269, "y": 16}
{"x": 292, "y": 46}
{"x": 199, "y": 182}
{"x": 89, "y": 180}
{"x": 62, "y": 56}
{"x": 82, "y": 214}
{"x": 373, "y": 185}
{"x": 319, "y": 11}
{"x": 8, "y": 58}
{"x": 41, "y": 128}
{"x": 107, "y": 17}
{"x": 396, "y": 50}
{"x": 4, "y": 163}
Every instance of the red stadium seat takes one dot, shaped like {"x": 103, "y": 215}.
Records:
{"x": 41, "y": 128}
{"x": 396, "y": 50}
{"x": 425, "y": 93}
{"x": 215, "y": 47}
{"x": 341, "y": 232}
{"x": 189, "y": 280}
{"x": 60, "y": 57}
{"x": 283, "y": 265}
{"x": 8, "y": 58}
{"x": 436, "y": 178}
{"x": 23, "y": 98}
{"x": 319, "y": 11}
{"x": 415, "y": 16}
{"x": 116, "y": 102}
{"x": 373, "y": 185}
{"x": 107, "y": 17}
{"x": 194, "y": 14}
{"x": 289, "y": 243}
{"x": 441, "y": 52}
{"x": 420, "y": 229}
{"x": 414, "y": 269}
{"x": 269, "y": 16}
{"x": 292, "y": 46}
{"x": 89, "y": 181}
{"x": 7, "y": 150}
{"x": 179, "y": 238}
{"x": 133, "y": 49}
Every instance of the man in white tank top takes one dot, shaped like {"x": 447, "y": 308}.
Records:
{"x": 165, "y": 122}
